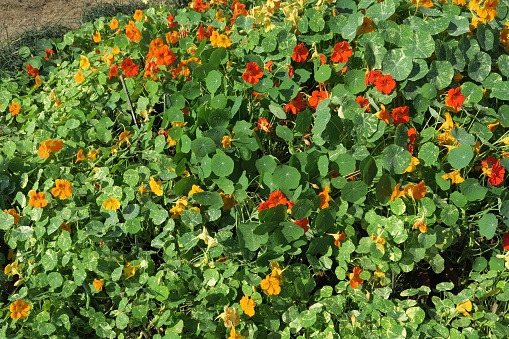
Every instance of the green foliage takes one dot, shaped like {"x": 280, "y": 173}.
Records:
{"x": 227, "y": 179}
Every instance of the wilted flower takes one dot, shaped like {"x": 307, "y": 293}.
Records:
{"x": 230, "y": 317}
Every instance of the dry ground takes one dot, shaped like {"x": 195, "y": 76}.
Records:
{"x": 18, "y": 16}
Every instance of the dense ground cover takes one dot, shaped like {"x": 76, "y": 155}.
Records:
{"x": 267, "y": 170}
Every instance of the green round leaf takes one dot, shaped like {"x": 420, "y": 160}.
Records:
{"x": 488, "y": 225}
{"x": 473, "y": 93}
{"x": 323, "y": 73}
{"x": 440, "y": 74}
{"x": 428, "y": 153}
{"x": 473, "y": 190}
{"x": 503, "y": 64}
{"x": 286, "y": 177}
{"x": 480, "y": 66}
{"x": 213, "y": 81}
{"x": 461, "y": 156}
{"x": 222, "y": 165}
{"x": 55, "y": 279}
{"x": 354, "y": 191}
{"x": 212, "y": 199}
{"x": 354, "y": 81}
{"x": 449, "y": 215}
{"x": 396, "y": 159}
{"x": 203, "y": 146}
{"x": 122, "y": 321}
{"x": 397, "y": 64}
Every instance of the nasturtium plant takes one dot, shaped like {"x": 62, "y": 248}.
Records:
{"x": 260, "y": 169}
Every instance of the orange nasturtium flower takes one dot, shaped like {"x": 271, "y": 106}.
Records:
{"x": 155, "y": 186}
{"x": 234, "y": 334}
{"x": 271, "y": 285}
{"x": 338, "y": 237}
{"x": 62, "y": 189}
{"x": 420, "y": 224}
{"x": 342, "y": 52}
{"x": 14, "y": 214}
{"x": 84, "y": 62}
{"x": 111, "y": 204}
{"x": 263, "y": 125}
{"x": 124, "y": 138}
{"x": 296, "y": 105}
{"x": 97, "y": 37}
{"x": 275, "y": 198}
{"x": 253, "y": 73}
{"x": 49, "y": 146}
{"x": 324, "y": 197}
{"x": 98, "y": 284}
{"x": 417, "y": 191}
{"x": 316, "y": 97}
{"x": 220, "y": 40}
{"x": 383, "y": 115}
{"x": 300, "y": 53}
{"x": 132, "y": 32}
{"x": 355, "y": 278}
{"x": 79, "y": 77}
{"x": 454, "y": 99}
{"x": 247, "y": 304}
{"x": 37, "y": 199}
{"x": 80, "y": 156}
{"x": 15, "y": 108}
{"x": 19, "y": 309}
{"x": 114, "y": 24}
{"x": 138, "y": 15}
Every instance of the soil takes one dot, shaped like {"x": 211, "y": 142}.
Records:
{"x": 18, "y": 16}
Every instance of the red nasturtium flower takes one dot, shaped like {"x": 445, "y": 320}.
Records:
{"x": 32, "y": 71}
{"x": 113, "y": 72}
{"x": 400, "y": 115}
{"x": 371, "y": 77}
{"x": 385, "y": 84}
{"x": 454, "y": 99}
{"x": 412, "y": 135}
{"x": 303, "y": 223}
{"x": 363, "y": 102}
{"x": 323, "y": 59}
{"x": 342, "y": 52}
{"x": 505, "y": 241}
{"x": 49, "y": 53}
{"x": 275, "y": 198}
{"x": 316, "y": 97}
{"x": 202, "y": 33}
{"x": 171, "y": 23}
{"x": 300, "y": 53}
{"x": 253, "y": 73}
{"x": 296, "y": 105}
{"x": 492, "y": 168}
{"x": 129, "y": 67}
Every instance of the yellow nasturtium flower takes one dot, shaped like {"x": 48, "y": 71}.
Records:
{"x": 155, "y": 186}
{"x": 464, "y": 307}
{"x": 111, "y": 204}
